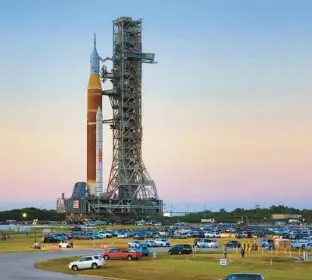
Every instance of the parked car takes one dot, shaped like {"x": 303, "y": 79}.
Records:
{"x": 85, "y": 236}
{"x": 162, "y": 242}
{"x": 139, "y": 236}
{"x": 244, "y": 276}
{"x": 300, "y": 244}
{"x": 180, "y": 249}
{"x": 134, "y": 243}
{"x": 65, "y": 244}
{"x": 244, "y": 234}
{"x": 105, "y": 234}
{"x": 150, "y": 243}
{"x": 144, "y": 250}
{"x": 267, "y": 244}
{"x": 212, "y": 234}
{"x": 206, "y": 243}
{"x": 123, "y": 235}
{"x": 87, "y": 262}
{"x": 233, "y": 244}
{"x": 122, "y": 254}
{"x": 51, "y": 239}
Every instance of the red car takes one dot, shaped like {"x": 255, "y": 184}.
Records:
{"x": 121, "y": 254}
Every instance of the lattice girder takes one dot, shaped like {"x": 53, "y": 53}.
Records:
{"x": 129, "y": 178}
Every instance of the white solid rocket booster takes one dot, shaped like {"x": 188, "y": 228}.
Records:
{"x": 99, "y": 147}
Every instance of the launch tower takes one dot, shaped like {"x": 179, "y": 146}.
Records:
{"x": 129, "y": 182}
{"x": 128, "y": 178}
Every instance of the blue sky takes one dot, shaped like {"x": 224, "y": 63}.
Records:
{"x": 236, "y": 74}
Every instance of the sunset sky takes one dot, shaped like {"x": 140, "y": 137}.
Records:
{"x": 227, "y": 118}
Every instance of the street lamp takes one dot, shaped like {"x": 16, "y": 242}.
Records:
{"x": 24, "y": 215}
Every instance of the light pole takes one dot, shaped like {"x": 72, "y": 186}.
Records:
{"x": 24, "y": 216}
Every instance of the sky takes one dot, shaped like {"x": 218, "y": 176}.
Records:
{"x": 226, "y": 110}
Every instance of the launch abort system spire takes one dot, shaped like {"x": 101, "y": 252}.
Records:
{"x": 130, "y": 187}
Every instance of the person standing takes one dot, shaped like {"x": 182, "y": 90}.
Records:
{"x": 242, "y": 252}
{"x": 225, "y": 251}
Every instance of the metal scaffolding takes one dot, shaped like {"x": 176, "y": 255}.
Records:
{"x": 128, "y": 180}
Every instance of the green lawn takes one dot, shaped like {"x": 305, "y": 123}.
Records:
{"x": 202, "y": 266}
{"x": 23, "y": 243}
{"x": 17, "y": 243}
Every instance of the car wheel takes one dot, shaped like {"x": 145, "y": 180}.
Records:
{"x": 105, "y": 257}
{"x": 94, "y": 266}
{"x": 129, "y": 258}
{"x": 169, "y": 252}
{"x": 74, "y": 267}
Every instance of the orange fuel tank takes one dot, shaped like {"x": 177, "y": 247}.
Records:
{"x": 93, "y": 103}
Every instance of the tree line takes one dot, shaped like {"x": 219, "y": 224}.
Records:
{"x": 31, "y": 213}
{"x": 239, "y": 214}
{"x": 256, "y": 215}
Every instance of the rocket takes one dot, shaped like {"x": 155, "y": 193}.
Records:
{"x": 94, "y": 110}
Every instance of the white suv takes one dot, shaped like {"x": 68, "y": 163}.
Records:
{"x": 162, "y": 242}
{"x": 207, "y": 243}
{"x": 65, "y": 244}
{"x": 134, "y": 243}
{"x": 87, "y": 262}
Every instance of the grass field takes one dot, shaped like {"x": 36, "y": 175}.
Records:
{"x": 203, "y": 266}
{"x": 23, "y": 243}
{"x": 274, "y": 265}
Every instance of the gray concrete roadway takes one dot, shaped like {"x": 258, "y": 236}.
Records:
{"x": 20, "y": 266}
